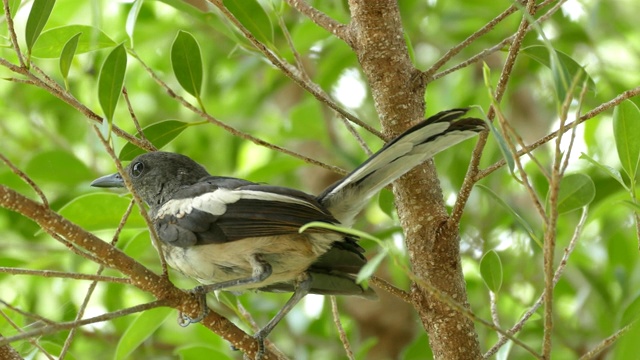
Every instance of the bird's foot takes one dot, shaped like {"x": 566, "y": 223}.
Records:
{"x": 201, "y": 293}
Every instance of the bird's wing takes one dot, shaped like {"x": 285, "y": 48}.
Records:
{"x": 221, "y": 209}
{"x": 346, "y": 197}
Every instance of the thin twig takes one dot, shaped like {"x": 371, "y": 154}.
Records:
{"x": 589, "y": 115}
{"x": 63, "y": 275}
{"x": 486, "y": 52}
{"x": 134, "y": 118}
{"x": 388, "y": 287}
{"x": 466, "y": 42}
{"x": 28, "y": 315}
{"x": 26, "y": 179}
{"x": 231, "y": 129}
{"x": 33, "y": 342}
{"x": 12, "y": 33}
{"x": 592, "y": 354}
{"x": 291, "y": 72}
{"x": 341, "y": 332}
{"x": 51, "y": 329}
{"x": 92, "y": 286}
{"x": 493, "y": 300}
{"x": 536, "y": 305}
{"x": 127, "y": 182}
{"x": 72, "y": 101}
{"x": 341, "y": 31}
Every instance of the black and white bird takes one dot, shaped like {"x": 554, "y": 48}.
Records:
{"x": 233, "y": 234}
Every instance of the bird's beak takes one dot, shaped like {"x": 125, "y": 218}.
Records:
{"x": 113, "y": 180}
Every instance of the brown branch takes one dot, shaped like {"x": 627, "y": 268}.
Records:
{"x": 230, "y": 129}
{"x": 64, "y": 275}
{"x": 52, "y": 329}
{"x": 341, "y": 333}
{"x": 559, "y": 271}
{"x": 12, "y": 33}
{"x": 486, "y": 52}
{"x": 466, "y": 42}
{"x": 341, "y": 31}
{"x": 589, "y": 115}
{"x": 388, "y": 287}
{"x": 140, "y": 276}
{"x": 26, "y": 179}
{"x": 291, "y": 72}
{"x": 592, "y": 354}
{"x": 73, "y": 102}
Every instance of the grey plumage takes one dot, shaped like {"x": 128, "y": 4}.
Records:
{"x": 233, "y": 234}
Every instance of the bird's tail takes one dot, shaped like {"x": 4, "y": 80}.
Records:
{"x": 345, "y": 198}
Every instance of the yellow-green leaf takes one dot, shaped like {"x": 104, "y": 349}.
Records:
{"x": 51, "y": 42}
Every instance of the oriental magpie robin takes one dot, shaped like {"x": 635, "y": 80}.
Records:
{"x": 233, "y": 234}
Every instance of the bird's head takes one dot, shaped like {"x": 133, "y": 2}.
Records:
{"x": 155, "y": 176}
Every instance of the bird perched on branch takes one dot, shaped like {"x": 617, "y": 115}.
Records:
{"x": 233, "y": 234}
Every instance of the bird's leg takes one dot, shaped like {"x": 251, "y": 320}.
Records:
{"x": 261, "y": 270}
{"x": 303, "y": 285}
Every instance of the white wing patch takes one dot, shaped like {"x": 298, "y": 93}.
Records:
{"x": 216, "y": 202}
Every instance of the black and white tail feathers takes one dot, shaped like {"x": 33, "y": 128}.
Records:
{"x": 346, "y": 198}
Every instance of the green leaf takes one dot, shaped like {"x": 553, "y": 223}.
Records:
{"x": 564, "y": 68}
{"x": 186, "y": 62}
{"x": 53, "y": 41}
{"x": 111, "y": 81}
{"x": 253, "y": 17}
{"x": 201, "y": 351}
{"x": 66, "y": 57}
{"x": 632, "y": 312}
{"x": 100, "y": 211}
{"x": 59, "y": 167}
{"x": 608, "y": 169}
{"x": 504, "y": 148}
{"x": 576, "y": 191}
{"x": 515, "y": 215}
{"x": 13, "y": 7}
{"x": 38, "y": 17}
{"x": 502, "y": 144}
{"x": 491, "y": 270}
{"x": 132, "y": 17}
{"x": 371, "y": 266}
{"x": 159, "y": 134}
{"x": 386, "y": 202}
{"x": 626, "y": 130}
{"x": 140, "y": 330}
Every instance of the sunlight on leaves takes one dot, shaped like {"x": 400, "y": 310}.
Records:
{"x": 52, "y": 42}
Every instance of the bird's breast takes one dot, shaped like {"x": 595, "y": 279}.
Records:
{"x": 288, "y": 255}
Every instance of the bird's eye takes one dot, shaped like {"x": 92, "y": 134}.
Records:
{"x": 137, "y": 169}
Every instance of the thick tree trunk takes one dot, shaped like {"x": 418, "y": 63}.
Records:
{"x": 398, "y": 92}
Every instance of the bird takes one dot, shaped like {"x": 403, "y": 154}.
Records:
{"x": 235, "y": 235}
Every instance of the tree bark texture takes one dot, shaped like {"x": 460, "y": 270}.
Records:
{"x": 398, "y": 92}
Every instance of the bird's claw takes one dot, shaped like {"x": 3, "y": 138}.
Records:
{"x": 185, "y": 320}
